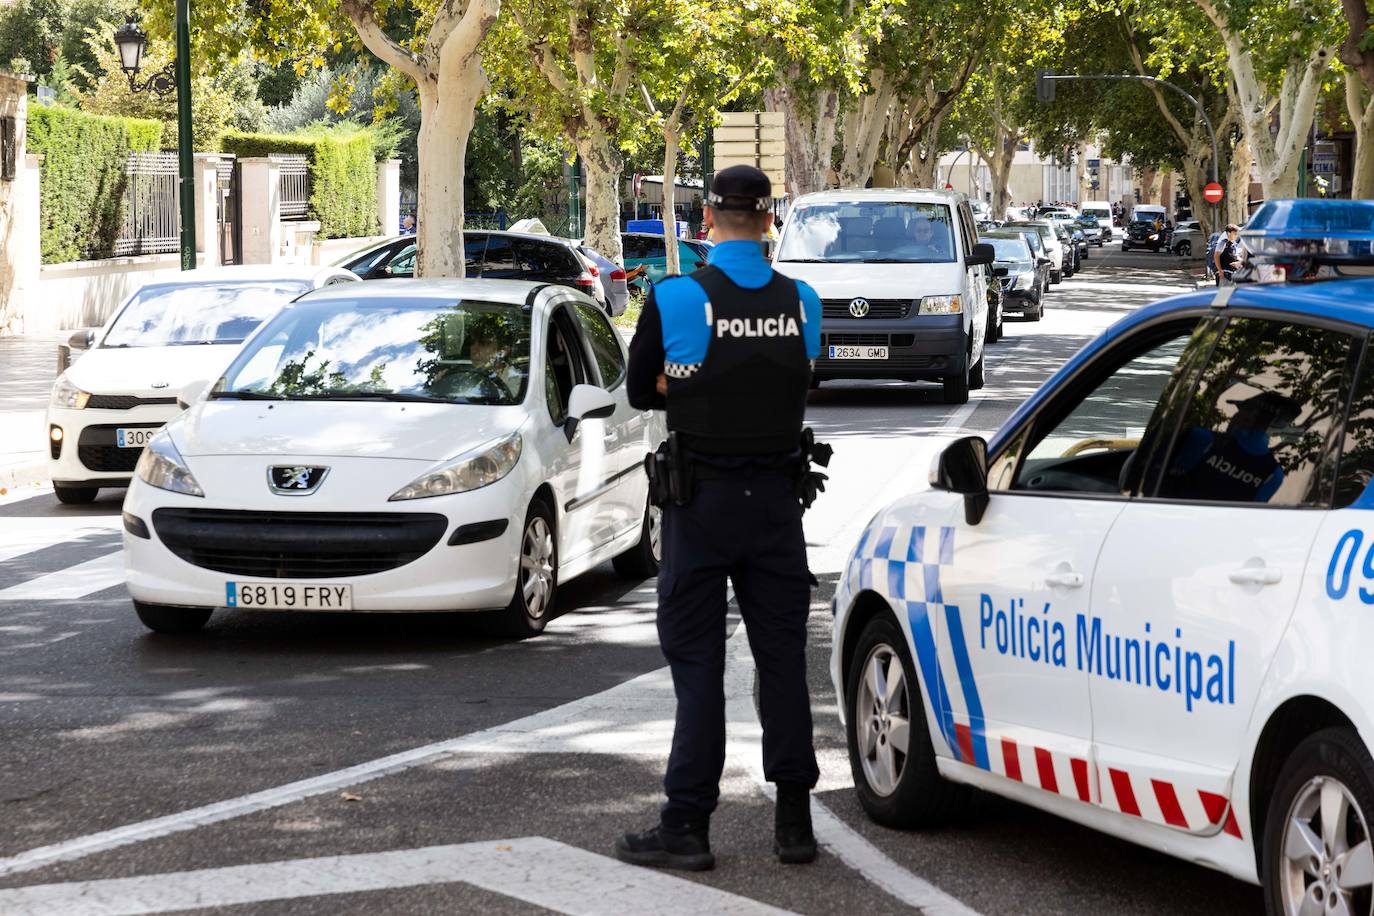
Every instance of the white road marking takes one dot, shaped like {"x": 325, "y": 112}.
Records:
{"x": 536, "y": 870}
{"x": 73, "y": 582}
{"x": 19, "y": 536}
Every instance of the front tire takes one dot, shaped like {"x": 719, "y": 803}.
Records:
{"x": 162, "y": 618}
{"x": 890, "y": 752}
{"x": 536, "y": 577}
{"x": 976, "y": 374}
{"x": 956, "y": 387}
{"x": 75, "y": 496}
{"x": 1184, "y": 249}
{"x": 1317, "y": 854}
{"x": 642, "y": 560}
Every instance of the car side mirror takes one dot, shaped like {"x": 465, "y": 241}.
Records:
{"x": 82, "y": 340}
{"x": 191, "y": 393}
{"x": 587, "y": 402}
{"x": 963, "y": 468}
{"x": 1041, "y": 262}
{"x": 982, "y": 254}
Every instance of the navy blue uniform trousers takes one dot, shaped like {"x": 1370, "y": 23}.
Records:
{"x": 747, "y": 529}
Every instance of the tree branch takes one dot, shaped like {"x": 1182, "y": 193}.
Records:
{"x": 363, "y": 15}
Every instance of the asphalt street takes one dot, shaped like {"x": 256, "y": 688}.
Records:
{"x": 320, "y": 763}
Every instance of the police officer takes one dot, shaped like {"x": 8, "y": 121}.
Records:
{"x": 728, "y": 353}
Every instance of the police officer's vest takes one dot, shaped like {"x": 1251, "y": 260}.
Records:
{"x": 749, "y": 395}
{"x": 1226, "y": 473}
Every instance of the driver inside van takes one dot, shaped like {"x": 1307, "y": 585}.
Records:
{"x": 929, "y": 244}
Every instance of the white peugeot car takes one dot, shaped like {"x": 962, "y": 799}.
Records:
{"x": 445, "y": 445}
{"x": 110, "y": 402}
{"x": 1145, "y": 606}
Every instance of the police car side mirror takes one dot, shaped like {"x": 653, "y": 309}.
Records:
{"x": 963, "y": 468}
{"x": 587, "y": 402}
{"x": 982, "y": 254}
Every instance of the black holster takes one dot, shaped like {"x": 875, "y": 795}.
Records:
{"x": 670, "y": 473}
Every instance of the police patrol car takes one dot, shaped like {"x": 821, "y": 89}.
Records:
{"x": 1147, "y": 605}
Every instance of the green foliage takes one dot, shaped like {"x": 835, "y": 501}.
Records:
{"x": 31, "y": 33}
{"x": 521, "y": 175}
{"x": 82, "y": 178}
{"x": 343, "y": 173}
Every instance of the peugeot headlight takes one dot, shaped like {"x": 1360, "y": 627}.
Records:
{"x": 162, "y": 466}
{"x": 941, "y": 305}
{"x": 478, "y": 468}
{"x": 65, "y": 394}
{"x": 1025, "y": 280}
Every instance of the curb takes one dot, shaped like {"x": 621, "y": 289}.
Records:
{"x": 15, "y": 476}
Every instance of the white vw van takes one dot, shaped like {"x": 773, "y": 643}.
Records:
{"x": 902, "y": 280}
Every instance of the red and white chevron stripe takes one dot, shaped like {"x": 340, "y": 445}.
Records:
{"x": 1154, "y": 800}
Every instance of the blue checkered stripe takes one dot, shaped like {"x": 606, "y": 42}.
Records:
{"x": 903, "y": 564}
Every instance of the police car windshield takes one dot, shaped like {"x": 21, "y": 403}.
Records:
{"x": 869, "y": 231}
{"x": 397, "y": 350}
{"x": 199, "y": 313}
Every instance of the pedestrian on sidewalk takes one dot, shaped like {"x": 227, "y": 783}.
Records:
{"x": 1227, "y": 258}
{"x": 727, "y": 353}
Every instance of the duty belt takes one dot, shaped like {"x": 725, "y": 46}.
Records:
{"x": 674, "y": 471}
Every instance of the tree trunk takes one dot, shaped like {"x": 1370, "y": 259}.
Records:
{"x": 1360, "y": 106}
{"x": 446, "y": 118}
{"x": 672, "y": 140}
{"x": 863, "y": 132}
{"x": 1236, "y": 205}
{"x": 811, "y": 121}
{"x": 1080, "y": 170}
{"x": 601, "y": 166}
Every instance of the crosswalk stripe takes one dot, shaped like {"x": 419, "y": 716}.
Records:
{"x": 26, "y": 535}
{"x": 74, "y": 582}
{"x": 535, "y": 870}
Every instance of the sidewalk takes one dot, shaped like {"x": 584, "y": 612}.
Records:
{"x": 28, "y": 366}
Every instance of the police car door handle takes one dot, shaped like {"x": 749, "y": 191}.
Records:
{"x": 1256, "y": 575}
{"x": 1064, "y": 580}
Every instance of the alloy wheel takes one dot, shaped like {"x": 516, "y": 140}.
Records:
{"x": 656, "y": 533}
{"x": 1328, "y": 862}
{"x": 536, "y": 567}
{"x": 883, "y": 719}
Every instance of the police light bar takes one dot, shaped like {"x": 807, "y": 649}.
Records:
{"x": 1321, "y": 231}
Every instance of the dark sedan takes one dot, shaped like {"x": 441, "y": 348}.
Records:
{"x": 1023, "y": 276}
{"x": 1141, "y": 233}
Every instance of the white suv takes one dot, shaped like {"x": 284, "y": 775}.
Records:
{"x": 902, "y": 280}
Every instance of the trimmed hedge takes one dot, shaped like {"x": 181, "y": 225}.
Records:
{"x": 343, "y": 175}
{"x": 82, "y": 178}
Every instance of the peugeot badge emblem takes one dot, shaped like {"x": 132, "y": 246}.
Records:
{"x": 858, "y": 307}
{"x": 160, "y": 384}
{"x": 295, "y": 480}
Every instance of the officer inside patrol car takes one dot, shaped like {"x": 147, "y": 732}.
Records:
{"x": 727, "y": 352}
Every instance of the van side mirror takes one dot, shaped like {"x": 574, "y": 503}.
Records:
{"x": 982, "y": 254}
{"x": 963, "y": 468}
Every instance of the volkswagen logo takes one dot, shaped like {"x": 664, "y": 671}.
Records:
{"x": 858, "y": 307}
{"x": 295, "y": 480}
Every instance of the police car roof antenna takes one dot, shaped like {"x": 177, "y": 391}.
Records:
{"x": 1044, "y": 91}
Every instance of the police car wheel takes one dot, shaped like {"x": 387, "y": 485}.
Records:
{"x": 75, "y": 496}
{"x": 161, "y": 618}
{"x": 1318, "y": 855}
{"x": 641, "y": 561}
{"x": 890, "y": 752}
{"x": 536, "y": 577}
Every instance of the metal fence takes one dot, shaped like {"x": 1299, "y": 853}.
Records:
{"x": 295, "y": 185}
{"x": 152, "y": 224}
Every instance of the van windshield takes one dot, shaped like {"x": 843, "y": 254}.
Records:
{"x": 872, "y": 232}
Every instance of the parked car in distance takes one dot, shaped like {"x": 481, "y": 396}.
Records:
{"x": 648, "y": 250}
{"x": 488, "y": 255}
{"x": 1141, "y": 234}
{"x": 471, "y": 448}
{"x": 110, "y": 402}
{"x": 1098, "y": 232}
{"x": 1187, "y": 238}
{"x": 1023, "y": 276}
{"x": 612, "y": 278}
{"x": 1054, "y": 250}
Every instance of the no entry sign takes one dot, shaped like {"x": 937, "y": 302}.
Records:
{"x": 1213, "y": 193}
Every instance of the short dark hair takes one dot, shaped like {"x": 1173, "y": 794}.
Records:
{"x": 1232, "y": 227}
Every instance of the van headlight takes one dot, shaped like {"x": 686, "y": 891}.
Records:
{"x": 941, "y": 305}
{"x": 162, "y": 466}
{"x": 473, "y": 470}
{"x": 65, "y": 394}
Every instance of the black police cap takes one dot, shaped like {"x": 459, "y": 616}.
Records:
{"x": 740, "y": 187}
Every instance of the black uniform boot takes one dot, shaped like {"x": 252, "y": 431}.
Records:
{"x": 793, "y": 840}
{"x": 659, "y": 848}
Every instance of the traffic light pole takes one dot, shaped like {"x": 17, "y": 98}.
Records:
{"x": 1045, "y": 92}
{"x": 185, "y": 146}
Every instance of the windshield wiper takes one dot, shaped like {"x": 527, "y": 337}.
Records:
{"x": 370, "y": 396}
{"x": 246, "y": 396}
{"x": 816, "y": 260}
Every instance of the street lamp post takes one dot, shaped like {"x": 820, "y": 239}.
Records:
{"x": 176, "y": 76}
